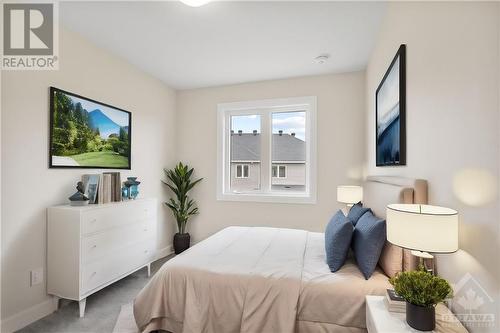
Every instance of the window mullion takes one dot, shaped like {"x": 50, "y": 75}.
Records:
{"x": 227, "y": 153}
{"x": 266, "y": 151}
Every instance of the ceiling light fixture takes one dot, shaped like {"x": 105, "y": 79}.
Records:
{"x": 195, "y": 3}
{"x": 321, "y": 59}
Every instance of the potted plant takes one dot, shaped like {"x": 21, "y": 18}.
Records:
{"x": 422, "y": 291}
{"x": 182, "y": 206}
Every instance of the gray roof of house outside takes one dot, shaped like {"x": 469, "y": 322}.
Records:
{"x": 246, "y": 147}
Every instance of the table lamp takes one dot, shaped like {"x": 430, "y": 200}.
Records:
{"x": 349, "y": 194}
{"x": 422, "y": 229}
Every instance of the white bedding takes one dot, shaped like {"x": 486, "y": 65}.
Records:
{"x": 256, "y": 280}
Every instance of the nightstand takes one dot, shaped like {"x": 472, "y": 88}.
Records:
{"x": 380, "y": 320}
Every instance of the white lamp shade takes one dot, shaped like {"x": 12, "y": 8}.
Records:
{"x": 349, "y": 194}
{"x": 423, "y": 227}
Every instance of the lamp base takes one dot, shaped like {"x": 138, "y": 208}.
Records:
{"x": 422, "y": 256}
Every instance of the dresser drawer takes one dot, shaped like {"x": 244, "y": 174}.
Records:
{"x": 96, "y": 246}
{"x": 115, "y": 265}
{"x": 115, "y": 215}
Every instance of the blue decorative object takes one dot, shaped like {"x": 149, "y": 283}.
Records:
{"x": 134, "y": 192}
{"x": 356, "y": 212}
{"x": 133, "y": 187}
{"x": 368, "y": 241}
{"x": 338, "y": 236}
{"x": 125, "y": 192}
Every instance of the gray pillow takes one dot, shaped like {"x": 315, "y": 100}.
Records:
{"x": 338, "y": 236}
{"x": 356, "y": 212}
{"x": 368, "y": 241}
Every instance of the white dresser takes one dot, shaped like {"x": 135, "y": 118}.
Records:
{"x": 90, "y": 247}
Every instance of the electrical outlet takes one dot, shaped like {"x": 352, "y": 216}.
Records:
{"x": 36, "y": 276}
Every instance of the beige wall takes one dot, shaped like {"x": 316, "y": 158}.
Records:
{"x": 452, "y": 120}
{"x": 340, "y": 137}
{"x": 29, "y": 186}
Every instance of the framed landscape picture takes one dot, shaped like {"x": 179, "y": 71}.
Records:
{"x": 87, "y": 134}
{"x": 390, "y": 113}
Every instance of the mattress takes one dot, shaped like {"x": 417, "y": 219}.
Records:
{"x": 253, "y": 279}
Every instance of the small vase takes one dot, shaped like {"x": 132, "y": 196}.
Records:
{"x": 181, "y": 242}
{"x": 421, "y": 318}
{"x": 125, "y": 190}
{"x": 134, "y": 191}
{"x": 133, "y": 187}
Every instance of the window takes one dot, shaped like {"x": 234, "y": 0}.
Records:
{"x": 279, "y": 171}
{"x": 241, "y": 171}
{"x": 266, "y": 150}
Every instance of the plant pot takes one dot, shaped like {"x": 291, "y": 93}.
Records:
{"x": 420, "y": 317}
{"x": 181, "y": 242}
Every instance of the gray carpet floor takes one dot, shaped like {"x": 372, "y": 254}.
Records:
{"x": 102, "y": 307}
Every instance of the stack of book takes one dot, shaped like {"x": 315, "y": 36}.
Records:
{"x": 103, "y": 188}
{"x": 394, "y": 302}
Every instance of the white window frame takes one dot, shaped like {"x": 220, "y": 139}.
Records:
{"x": 242, "y": 171}
{"x": 264, "y": 108}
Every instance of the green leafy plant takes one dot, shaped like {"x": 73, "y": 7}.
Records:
{"x": 182, "y": 207}
{"x": 421, "y": 287}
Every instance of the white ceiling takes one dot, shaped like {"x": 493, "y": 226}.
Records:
{"x": 230, "y": 42}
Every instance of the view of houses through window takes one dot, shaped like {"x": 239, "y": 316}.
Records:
{"x": 287, "y": 154}
{"x": 245, "y": 153}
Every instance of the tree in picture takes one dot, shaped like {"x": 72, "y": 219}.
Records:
{"x": 83, "y": 138}
{"x": 182, "y": 206}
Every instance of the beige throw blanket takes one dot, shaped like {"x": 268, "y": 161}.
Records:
{"x": 234, "y": 281}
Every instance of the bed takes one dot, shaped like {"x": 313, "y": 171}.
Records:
{"x": 255, "y": 279}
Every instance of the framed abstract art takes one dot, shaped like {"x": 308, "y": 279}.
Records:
{"x": 390, "y": 113}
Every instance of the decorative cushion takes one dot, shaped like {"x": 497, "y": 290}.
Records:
{"x": 391, "y": 259}
{"x": 368, "y": 241}
{"x": 338, "y": 236}
{"x": 356, "y": 212}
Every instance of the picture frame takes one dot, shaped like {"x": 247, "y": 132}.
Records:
{"x": 390, "y": 113}
{"x": 85, "y": 133}
{"x": 91, "y": 187}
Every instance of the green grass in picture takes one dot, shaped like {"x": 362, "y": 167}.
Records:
{"x": 107, "y": 158}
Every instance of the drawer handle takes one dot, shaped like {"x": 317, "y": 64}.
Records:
{"x": 93, "y": 220}
{"x": 146, "y": 251}
{"x": 145, "y": 229}
{"x": 94, "y": 246}
{"x": 93, "y": 274}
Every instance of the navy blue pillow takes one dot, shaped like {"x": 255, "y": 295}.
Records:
{"x": 356, "y": 212}
{"x": 338, "y": 236}
{"x": 368, "y": 241}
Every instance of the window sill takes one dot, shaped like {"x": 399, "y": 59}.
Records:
{"x": 286, "y": 198}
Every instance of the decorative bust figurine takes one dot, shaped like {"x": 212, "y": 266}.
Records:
{"x": 79, "y": 198}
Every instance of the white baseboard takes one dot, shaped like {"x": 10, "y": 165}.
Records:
{"x": 28, "y": 316}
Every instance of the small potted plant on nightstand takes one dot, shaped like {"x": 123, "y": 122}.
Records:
{"x": 422, "y": 291}
{"x": 183, "y": 207}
